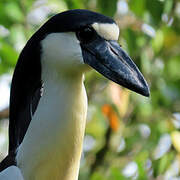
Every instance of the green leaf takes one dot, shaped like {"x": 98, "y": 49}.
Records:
{"x": 168, "y": 6}
{"x": 74, "y": 4}
{"x": 165, "y": 162}
{"x": 157, "y": 42}
{"x": 8, "y": 55}
{"x": 137, "y": 6}
{"x": 155, "y": 8}
{"x": 172, "y": 68}
{"x": 130, "y": 37}
{"x": 97, "y": 176}
{"x": 141, "y": 160}
{"x": 107, "y": 7}
{"x": 13, "y": 11}
{"x": 116, "y": 175}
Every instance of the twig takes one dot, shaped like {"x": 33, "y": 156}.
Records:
{"x": 100, "y": 155}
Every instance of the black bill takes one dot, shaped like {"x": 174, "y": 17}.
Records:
{"x": 109, "y": 59}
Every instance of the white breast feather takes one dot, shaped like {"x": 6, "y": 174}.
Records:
{"x": 52, "y": 146}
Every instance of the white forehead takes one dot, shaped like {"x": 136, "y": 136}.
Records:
{"x": 107, "y": 31}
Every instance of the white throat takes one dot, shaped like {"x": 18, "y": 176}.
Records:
{"x": 52, "y": 146}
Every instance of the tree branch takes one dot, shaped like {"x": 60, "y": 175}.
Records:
{"x": 100, "y": 155}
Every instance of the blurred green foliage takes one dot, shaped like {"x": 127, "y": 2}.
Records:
{"x": 150, "y": 33}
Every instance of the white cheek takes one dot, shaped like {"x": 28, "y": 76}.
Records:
{"x": 107, "y": 31}
{"x": 62, "y": 49}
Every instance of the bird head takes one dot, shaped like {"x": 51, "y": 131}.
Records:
{"x": 68, "y": 44}
{"x": 72, "y": 41}
{"x": 77, "y": 38}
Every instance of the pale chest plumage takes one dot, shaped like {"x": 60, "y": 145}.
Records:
{"x": 53, "y": 143}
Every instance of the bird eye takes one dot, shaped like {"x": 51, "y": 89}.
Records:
{"x": 86, "y": 35}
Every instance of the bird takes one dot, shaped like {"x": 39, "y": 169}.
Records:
{"x": 48, "y": 101}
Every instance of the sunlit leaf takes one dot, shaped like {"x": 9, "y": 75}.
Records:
{"x": 158, "y": 41}
{"x": 13, "y": 11}
{"x": 175, "y": 136}
{"x": 168, "y": 6}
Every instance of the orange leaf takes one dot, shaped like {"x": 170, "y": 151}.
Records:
{"x": 111, "y": 115}
{"x": 114, "y": 123}
{"x": 106, "y": 108}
